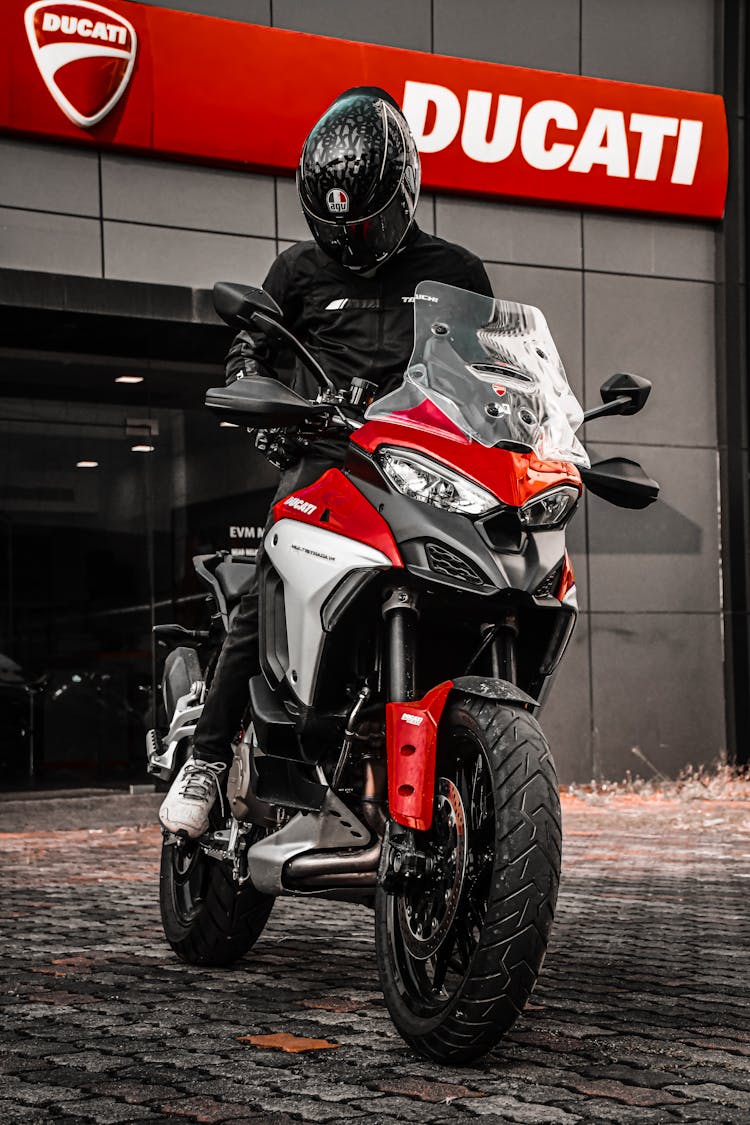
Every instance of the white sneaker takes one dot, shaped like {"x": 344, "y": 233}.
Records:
{"x": 191, "y": 798}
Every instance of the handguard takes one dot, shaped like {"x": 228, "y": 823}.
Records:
{"x": 411, "y": 737}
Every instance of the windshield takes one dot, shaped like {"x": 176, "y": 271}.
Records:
{"x": 487, "y": 370}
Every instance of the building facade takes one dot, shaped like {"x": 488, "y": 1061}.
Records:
{"x": 106, "y": 260}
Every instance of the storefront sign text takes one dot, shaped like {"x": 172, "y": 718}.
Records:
{"x": 195, "y": 88}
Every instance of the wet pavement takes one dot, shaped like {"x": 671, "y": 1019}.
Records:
{"x": 642, "y": 1013}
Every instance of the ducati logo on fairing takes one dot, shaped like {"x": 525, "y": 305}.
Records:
{"x": 301, "y": 505}
{"x": 337, "y": 201}
{"x": 85, "y": 54}
{"x": 412, "y": 720}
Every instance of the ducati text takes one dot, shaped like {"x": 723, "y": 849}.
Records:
{"x": 301, "y": 505}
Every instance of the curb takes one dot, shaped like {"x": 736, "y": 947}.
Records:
{"x": 115, "y": 809}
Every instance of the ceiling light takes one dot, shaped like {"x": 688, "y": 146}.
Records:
{"x": 142, "y": 448}
{"x": 230, "y": 425}
{"x": 129, "y": 379}
{"x": 87, "y": 464}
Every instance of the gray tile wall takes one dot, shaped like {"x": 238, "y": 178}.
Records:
{"x": 544, "y": 34}
{"x": 620, "y": 293}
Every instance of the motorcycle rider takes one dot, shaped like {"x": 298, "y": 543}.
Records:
{"x": 347, "y": 296}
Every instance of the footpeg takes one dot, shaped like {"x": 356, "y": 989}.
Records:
{"x": 159, "y": 763}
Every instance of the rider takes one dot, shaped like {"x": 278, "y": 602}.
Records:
{"x": 347, "y": 296}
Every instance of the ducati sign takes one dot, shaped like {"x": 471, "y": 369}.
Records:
{"x": 180, "y": 85}
{"x": 85, "y": 54}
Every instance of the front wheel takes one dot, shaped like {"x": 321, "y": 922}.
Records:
{"x": 207, "y": 918}
{"x": 460, "y": 948}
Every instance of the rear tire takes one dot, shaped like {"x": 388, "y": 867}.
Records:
{"x": 207, "y": 918}
{"x": 459, "y": 954}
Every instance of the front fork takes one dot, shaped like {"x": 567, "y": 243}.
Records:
{"x": 401, "y": 616}
{"x": 412, "y": 724}
{"x": 503, "y": 642}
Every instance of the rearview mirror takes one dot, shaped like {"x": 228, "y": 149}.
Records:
{"x": 236, "y": 304}
{"x": 621, "y": 394}
{"x": 244, "y": 306}
{"x": 261, "y": 402}
{"x": 621, "y": 482}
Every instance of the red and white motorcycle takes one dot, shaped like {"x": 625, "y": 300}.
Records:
{"x": 414, "y": 607}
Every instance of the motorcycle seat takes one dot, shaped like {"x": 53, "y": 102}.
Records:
{"x": 234, "y": 579}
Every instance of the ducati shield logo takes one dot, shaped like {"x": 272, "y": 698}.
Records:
{"x": 337, "y": 201}
{"x": 85, "y": 54}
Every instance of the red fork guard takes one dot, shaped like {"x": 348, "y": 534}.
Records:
{"x": 411, "y": 737}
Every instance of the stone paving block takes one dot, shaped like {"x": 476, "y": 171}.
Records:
{"x": 209, "y": 1110}
{"x": 641, "y": 1017}
{"x": 411, "y": 1111}
{"x": 19, "y": 1115}
{"x": 713, "y": 1092}
{"x": 620, "y": 1091}
{"x": 311, "y": 1110}
{"x": 425, "y": 1090}
{"x": 327, "y": 1092}
{"x": 516, "y": 1110}
{"x": 88, "y": 1060}
{"x": 104, "y": 1111}
{"x": 614, "y": 1113}
{"x": 704, "y": 1112}
{"x": 41, "y": 1094}
{"x": 649, "y": 1079}
{"x": 131, "y": 1091}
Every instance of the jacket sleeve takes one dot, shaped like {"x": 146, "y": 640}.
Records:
{"x": 477, "y": 280}
{"x": 249, "y": 353}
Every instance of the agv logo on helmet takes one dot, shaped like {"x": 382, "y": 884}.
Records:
{"x": 85, "y": 54}
{"x": 337, "y": 201}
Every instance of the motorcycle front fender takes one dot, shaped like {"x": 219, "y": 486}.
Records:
{"x": 411, "y": 738}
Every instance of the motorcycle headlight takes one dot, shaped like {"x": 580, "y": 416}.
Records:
{"x": 422, "y": 479}
{"x": 551, "y": 509}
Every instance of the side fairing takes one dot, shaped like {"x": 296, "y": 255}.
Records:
{"x": 311, "y": 563}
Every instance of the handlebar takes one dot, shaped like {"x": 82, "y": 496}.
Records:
{"x": 250, "y": 308}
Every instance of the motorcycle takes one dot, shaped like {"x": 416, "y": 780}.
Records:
{"x": 414, "y": 607}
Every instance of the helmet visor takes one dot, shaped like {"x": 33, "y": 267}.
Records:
{"x": 366, "y": 243}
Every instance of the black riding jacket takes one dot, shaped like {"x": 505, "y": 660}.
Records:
{"x": 355, "y": 326}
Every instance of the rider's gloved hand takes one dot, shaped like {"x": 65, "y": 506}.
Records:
{"x": 280, "y": 447}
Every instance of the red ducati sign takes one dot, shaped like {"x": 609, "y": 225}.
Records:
{"x": 85, "y": 54}
{"x": 213, "y": 91}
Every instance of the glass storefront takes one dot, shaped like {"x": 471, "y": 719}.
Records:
{"x": 107, "y": 490}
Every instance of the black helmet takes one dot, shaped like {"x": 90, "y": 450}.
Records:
{"x": 358, "y": 178}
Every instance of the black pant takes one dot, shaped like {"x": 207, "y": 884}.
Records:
{"x": 239, "y": 659}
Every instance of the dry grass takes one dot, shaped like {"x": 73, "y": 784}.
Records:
{"x": 717, "y": 781}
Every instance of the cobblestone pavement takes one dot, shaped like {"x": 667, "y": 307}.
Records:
{"x": 642, "y": 1013}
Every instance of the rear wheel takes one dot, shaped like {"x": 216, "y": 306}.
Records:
{"x": 460, "y": 948}
{"x": 207, "y": 918}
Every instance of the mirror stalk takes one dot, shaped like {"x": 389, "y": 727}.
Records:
{"x": 613, "y": 407}
{"x": 273, "y": 329}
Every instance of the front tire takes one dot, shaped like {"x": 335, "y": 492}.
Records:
{"x": 207, "y": 918}
{"x": 460, "y": 949}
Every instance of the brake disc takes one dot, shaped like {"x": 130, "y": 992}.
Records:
{"x": 427, "y": 909}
